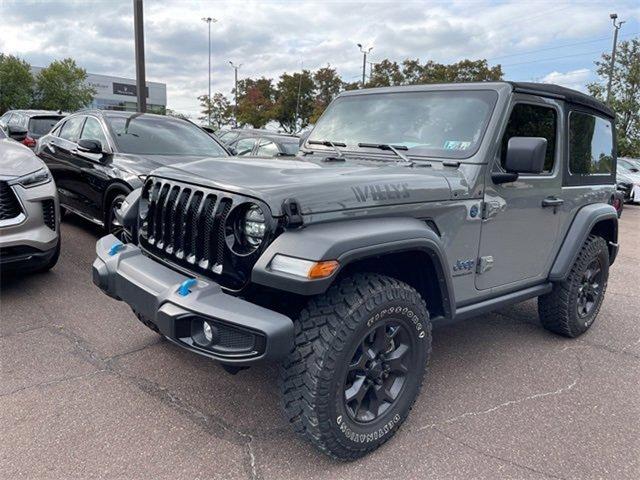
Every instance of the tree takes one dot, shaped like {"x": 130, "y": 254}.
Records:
{"x": 61, "y": 86}
{"x": 255, "y": 101}
{"x": 16, "y": 83}
{"x": 412, "y": 72}
{"x": 327, "y": 85}
{"x": 219, "y": 107}
{"x": 172, "y": 113}
{"x": 625, "y": 94}
{"x": 294, "y": 101}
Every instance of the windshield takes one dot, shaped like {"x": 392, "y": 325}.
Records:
{"x": 151, "y": 135}
{"x": 42, "y": 125}
{"x": 446, "y": 124}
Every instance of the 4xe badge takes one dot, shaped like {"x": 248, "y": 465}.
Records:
{"x": 464, "y": 266}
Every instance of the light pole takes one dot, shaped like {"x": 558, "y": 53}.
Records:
{"x": 235, "y": 90}
{"x": 138, "y": 28}
{"x": 616, "y": 26}
{"x": 209, "y": 21}
{"x": 364, "y": 52}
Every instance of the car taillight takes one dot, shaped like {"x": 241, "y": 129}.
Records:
{"x": 28, "y": 141}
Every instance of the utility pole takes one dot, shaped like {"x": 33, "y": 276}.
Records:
{"x": 209, "y": 20}
{"x": 616, "y": 27}
{"x": 138, "y": 29}
{"x": 235, "y": 90}
{"x": 364, "y": 52}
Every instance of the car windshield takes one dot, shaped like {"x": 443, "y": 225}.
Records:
{"x": 446, "y": 124}
{"x": 42, "y": 125}
{"x": 155, "y": 135}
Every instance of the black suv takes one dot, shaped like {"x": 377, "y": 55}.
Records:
{"x": 27, "y": 126}
{"x": 97, "y": 157}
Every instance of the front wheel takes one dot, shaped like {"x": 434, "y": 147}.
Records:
{"x": 112, "y": 225}
{"x": 360, "y": 356}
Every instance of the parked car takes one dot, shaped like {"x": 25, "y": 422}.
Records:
{"x": 628, "y": 180}
{"x": 97, "y": 157}
{"x": 265, "y": 145}
{"x": 29, "y": 218}
{"x": 227, "y": 136}
{"x": 408, "y": 205}
{"x": 27, "y": 126}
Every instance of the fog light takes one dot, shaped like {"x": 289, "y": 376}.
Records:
{"x": 207, "y": 331}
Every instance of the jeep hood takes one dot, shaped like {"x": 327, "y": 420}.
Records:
{"x": 317, "y": 186}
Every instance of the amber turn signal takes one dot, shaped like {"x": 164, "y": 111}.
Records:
{"x": 323, "y": 269}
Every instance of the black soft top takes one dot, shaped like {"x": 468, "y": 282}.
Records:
{"x": 567, "y": 94}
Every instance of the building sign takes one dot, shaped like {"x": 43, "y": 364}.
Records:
{"x": 127, "y": 89}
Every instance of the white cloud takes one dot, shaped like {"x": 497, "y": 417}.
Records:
{"x": 270, "y": 37}
{"x": 576, "y": 79}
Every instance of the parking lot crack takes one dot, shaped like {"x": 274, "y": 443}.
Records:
{"x": 497, "y": 457}
{"x": 508, "y": 403}
{"x": 53, "y": 382}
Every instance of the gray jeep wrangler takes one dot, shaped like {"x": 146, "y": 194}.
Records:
{"x": 405, "y": 206}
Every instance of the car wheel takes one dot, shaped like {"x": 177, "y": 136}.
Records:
{"x": 112, "y": 225}
{"x": 358, "y": 364}
{"x": 573, "y": 305}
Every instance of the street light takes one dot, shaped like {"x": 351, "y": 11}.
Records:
{"x": 209, "y": 21}
{"x": 364, "y": 52}
{"x": 616, "y": 26}
{"x": 235, "y": 89}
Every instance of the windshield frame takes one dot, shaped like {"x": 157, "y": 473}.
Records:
{"x": 355, "y": 149}
{"x": 118, "y": 147}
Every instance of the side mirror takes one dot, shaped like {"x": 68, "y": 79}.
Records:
{"x": 526, "y": 154}
{"x": 89, "y": 146}
{"x": 17, "y": 133}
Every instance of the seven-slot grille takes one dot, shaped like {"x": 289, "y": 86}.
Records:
{"x": 9, "y": 205}
{"x": 185, "y": 224}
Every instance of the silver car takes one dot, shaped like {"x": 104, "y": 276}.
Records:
{"x": 29, "y": 218}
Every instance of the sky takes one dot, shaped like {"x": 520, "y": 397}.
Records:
{"x": 541, "y": 40}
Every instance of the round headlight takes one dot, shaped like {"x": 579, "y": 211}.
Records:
{"x": 253, "y": 226}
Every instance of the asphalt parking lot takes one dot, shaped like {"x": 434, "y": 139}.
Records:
{"x": 87, "y": 391}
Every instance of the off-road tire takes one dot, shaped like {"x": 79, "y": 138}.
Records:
{"x": 558, "y": 310}
{"x": 328, "y": 331}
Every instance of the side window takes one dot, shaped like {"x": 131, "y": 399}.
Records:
{"x": 244, "y": 146}
{"x": 590, "y": 144}
{"x": 267, "y": 149}
{"x": 71, "y": 129}
{"x": 528, "y": 120}
{"x": 92, "y": 130}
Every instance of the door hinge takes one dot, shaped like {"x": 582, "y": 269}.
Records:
{"x": 484, "y": 264}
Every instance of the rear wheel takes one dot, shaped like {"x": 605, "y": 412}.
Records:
{"x": 360, "y": 356}
{"x": 573, "y": 305}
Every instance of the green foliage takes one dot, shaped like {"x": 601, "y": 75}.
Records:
{"x": 61, "y": 86}
{"x": 219, "y": 108}
{"x": 412, "y": 72}
{"x": 625, "y": 94}
{"x": 255, "y": 102}
{"x": 327, "y": 85}
{"x": 172, "y": 113}
{"x": 16, "y": 83}
{"x": 294, "y": 101}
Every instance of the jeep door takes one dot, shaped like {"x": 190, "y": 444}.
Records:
{"x": 520, "y": 227}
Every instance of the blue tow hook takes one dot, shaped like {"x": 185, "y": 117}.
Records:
{"x": 115, "y": 248}
{"x": 184, "y": 287}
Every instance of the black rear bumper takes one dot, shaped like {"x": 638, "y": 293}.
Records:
{"x": 244, "y": 333}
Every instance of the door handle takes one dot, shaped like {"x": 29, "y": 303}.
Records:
{"x": 552, "y": 202}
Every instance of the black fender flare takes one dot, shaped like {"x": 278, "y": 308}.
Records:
{"x": 583, "y": 224}
{"x": 347, "y": 241}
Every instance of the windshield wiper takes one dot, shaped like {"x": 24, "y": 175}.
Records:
{"x": 329, "y": 143}
{"x": 385, "y": 146}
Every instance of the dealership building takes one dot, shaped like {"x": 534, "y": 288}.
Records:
{"x": 118, "y": 93}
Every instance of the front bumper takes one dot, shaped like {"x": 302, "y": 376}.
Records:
{"x": 245, "y": 333}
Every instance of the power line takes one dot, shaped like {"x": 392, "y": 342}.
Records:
{"x": 559, "y": 46}
{"x": 552, "y": 58}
